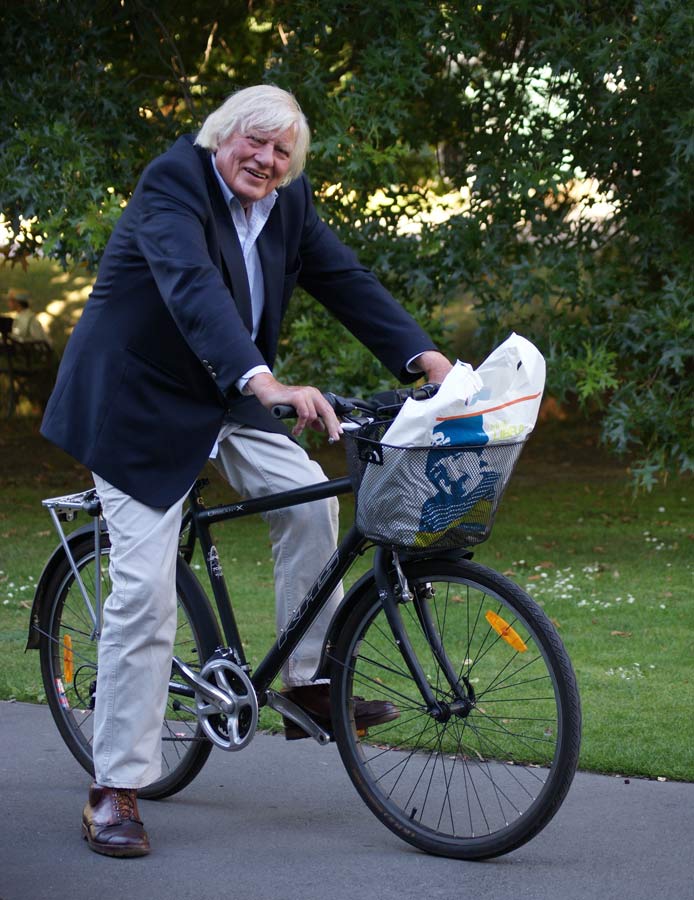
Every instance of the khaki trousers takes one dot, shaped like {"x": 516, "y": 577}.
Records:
{"x": 140, "y": 612}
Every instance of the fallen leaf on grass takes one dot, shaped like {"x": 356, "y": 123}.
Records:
{"x": 621, "y": 633}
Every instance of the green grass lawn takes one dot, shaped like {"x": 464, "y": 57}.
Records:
{"x": 612, "y": 570}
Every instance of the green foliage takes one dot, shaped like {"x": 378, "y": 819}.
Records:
{"x": 91, "y": 92}
{"x": 534, "y": 159}
{"x": 593, "y": 371}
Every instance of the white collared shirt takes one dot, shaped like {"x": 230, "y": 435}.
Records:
{"x": 248, "y": 224}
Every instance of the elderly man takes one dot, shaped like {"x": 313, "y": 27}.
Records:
{"x": 171, "y": 362}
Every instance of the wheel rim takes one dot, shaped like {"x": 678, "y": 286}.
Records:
{"x": 478, "y": 779}
{"x": 73, "y": 671}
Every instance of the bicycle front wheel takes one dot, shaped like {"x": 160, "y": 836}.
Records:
{"x": 68, "y": 651}
{"x": 491, "y": 768}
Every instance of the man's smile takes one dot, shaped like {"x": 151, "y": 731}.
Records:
{"x": 253, "y": 165}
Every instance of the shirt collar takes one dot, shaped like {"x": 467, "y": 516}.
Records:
{"x": 263, "y": 206}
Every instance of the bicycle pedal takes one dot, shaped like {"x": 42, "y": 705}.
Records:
{"x": 298, "y": 723}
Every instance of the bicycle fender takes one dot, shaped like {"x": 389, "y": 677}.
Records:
{"x": 358, "y": 589}
{"x": 353, "y": 595}
{"x": 49, "y": 569}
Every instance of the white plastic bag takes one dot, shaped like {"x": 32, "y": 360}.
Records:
{"x": 499, "y": 401}
{"x": 414, "y": 424}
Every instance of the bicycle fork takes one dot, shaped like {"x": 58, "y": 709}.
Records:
{"x": 387, "y": 587}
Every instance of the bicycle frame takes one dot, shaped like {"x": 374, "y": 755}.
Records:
{"x": 352, "y": 545}
{"x": 199, "y": 519}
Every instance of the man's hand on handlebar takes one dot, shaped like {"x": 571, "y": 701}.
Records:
{"x": 312, "y": 409}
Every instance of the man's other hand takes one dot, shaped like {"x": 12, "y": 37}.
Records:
{"x": 434, "y": 365}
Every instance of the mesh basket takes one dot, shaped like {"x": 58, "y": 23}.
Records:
{"x": 427, "y": 497}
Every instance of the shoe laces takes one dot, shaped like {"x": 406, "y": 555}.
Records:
{"x": 124, "y": 802}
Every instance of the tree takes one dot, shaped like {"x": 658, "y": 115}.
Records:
{"x": 536, "y": 159}
{"x": 92, "y": 91}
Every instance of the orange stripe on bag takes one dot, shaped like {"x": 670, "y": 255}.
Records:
{"x": 483, "y": 412}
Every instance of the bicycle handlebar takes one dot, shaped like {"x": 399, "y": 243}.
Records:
{"x": 382, "y": 405}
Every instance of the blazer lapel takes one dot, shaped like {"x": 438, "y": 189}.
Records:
{"x": 272, "y": 252}
{"x": 229, "y": 246}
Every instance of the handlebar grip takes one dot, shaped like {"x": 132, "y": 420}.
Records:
{"x": 283, "y": 411}
{"x": 287, "y": 411}
{"x": 425, "y": 391}
{"x": 378, "y": 403}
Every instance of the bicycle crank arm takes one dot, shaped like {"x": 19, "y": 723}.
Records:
{"x": 202, "y": 687}
{"x": 228, "y": 710}
{"x": 297, "y": 715}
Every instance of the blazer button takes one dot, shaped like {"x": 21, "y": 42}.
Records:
{"x": 205, "y": 362}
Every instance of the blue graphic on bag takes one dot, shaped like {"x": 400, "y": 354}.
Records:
{"x": 468, "y": 431}
{"x": 465, "y": 491}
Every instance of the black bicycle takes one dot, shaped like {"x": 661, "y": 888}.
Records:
{"x": 486, "y": 743}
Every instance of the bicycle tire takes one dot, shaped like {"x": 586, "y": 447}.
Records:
{"x": 68, "y": 653}
{"x": 478, "y": 785}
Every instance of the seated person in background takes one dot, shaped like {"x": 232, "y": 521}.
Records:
{"x": 26, "y": 325}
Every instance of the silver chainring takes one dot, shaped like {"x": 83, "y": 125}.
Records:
{"x": 230, "y": 725}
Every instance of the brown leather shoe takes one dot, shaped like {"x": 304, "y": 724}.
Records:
{"x": 111, "y": 822}
{"x": 315, "y": 700}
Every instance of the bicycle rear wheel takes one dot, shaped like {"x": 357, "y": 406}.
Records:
{"x": 490, "y": 774}
{"x": 68, "y": 652}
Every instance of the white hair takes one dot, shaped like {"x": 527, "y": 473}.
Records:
{"x": 264, "y": 108}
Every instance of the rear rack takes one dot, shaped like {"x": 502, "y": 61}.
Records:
{"x": 64, "y": 509}
{"x": 67, "y": 506}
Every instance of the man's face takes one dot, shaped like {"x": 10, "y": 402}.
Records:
{"x": 253, "y": 164}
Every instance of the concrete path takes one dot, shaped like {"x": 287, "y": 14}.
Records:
{"x": 281, "y": 821}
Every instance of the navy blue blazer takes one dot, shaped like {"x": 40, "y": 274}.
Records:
{"x": 149, "y": 371}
